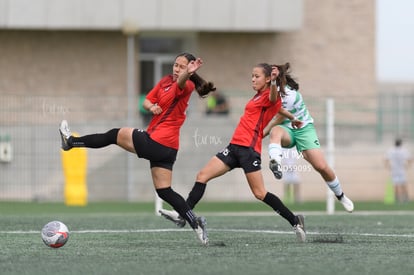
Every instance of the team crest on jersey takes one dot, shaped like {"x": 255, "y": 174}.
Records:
{"x": 225, "y": 151}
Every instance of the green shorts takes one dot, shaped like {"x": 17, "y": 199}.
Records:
{"x": 304, "y": 138}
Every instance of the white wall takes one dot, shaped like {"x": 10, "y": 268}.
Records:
{"x": 154, "y": 15}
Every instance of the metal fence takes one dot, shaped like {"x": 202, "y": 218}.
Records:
{"x": 31, "y": 160}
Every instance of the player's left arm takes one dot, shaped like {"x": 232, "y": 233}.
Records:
{"x": 296, "y": 123}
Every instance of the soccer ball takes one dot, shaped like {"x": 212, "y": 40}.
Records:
{"x": 55, "y": 234}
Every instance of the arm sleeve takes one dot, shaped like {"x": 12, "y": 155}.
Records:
{"x": 267, "y": 103}
{"x": 188, "y": 89}
{"x": 153, "y": 94}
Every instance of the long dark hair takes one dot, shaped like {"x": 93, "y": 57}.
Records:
{"x": 289, "y": 80}
{"x": 281, "y": 79}
{"x": 202, "y": 86}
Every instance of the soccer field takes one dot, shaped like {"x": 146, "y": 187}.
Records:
{"x": 130, "y": 239}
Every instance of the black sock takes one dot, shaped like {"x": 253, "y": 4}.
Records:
{"x": 95, "y": 140}
{"x": 196, "y": 194}
{"x": 340, "y": 196}
{"x": 178, "y": 203}
{"x": 277, "y": 205}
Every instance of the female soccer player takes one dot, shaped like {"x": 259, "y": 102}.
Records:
{"x": 282, "y": 134}
{"x": 244, "y": 150}
{"x": 397, "y": 160}
{"x": 159, "y": 144}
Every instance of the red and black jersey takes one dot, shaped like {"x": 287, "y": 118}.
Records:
{"x": 165, "y": 127}
{"x": 257, "y": 114}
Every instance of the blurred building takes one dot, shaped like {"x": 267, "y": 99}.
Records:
{"x": 80, "y": 47}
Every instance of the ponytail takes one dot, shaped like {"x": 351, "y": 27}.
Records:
{"x": 203, "y": 87}
{"x": 284, "y": 78}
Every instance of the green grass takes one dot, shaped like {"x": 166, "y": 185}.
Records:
{"x": 127, "y": 238}
{"x": 148, "y": 207}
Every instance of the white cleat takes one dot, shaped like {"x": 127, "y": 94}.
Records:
{"x": 201, "y": 230}
{"x": 299, "y": 229}
{"x": 173, "y": 216}
{"x": 65, "y": 135}
{"x": 347, "y": 203}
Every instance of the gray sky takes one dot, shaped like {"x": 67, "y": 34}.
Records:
{"x": 395, "y": 40}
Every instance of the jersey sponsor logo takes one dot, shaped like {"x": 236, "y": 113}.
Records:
{"x": 256, "y": 98}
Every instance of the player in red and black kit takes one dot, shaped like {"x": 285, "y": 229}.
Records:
{"x": 244, "y": 150}
{"x": 159, "y": 144}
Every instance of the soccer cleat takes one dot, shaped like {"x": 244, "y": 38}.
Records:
{"x": 347, "y": 203}
{"x": 201, "y": 230}
{"x": 65, "y": 135}
{"x": 299, "y": 229}
{"x": 276, "y": 168}
{"x": 173, "y": 216}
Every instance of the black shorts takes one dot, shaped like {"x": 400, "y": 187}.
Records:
{"x": 158, "y": 154}
{"x": 236, "y": 156}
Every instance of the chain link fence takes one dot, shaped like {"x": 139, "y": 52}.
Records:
{"x": 31, "y": 158}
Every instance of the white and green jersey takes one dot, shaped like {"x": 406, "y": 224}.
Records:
{"x": 293, "y": 102}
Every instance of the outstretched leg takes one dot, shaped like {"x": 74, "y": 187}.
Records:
{"x": 214, "y": 168}
{"x": 255, "y": 180}
{"x": 162, "y": 178}
{"x": 316, "y": 158}
{"x": 119, "y": 136}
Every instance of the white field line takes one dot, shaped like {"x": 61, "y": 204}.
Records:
{"x": 105, "y": 231}
{"x": 309, "y": 213}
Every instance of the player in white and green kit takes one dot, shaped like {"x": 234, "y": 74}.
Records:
{"x": 284, "y": 134}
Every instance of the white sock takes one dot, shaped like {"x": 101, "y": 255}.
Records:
{"x": 335, "y": 186}
{"x": 275, "y": 152}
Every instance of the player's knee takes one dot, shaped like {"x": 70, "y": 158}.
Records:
{"x": 202, "y": 176}
{"x": 273, "y": 134}
{"x": 124, "y": 138}
{"x": 276, "y": 132}
{"x": 260, "y": 195}
{"x": 322, "y": 168}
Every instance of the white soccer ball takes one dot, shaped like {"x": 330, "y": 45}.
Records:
{"x": 55, "y": 234}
